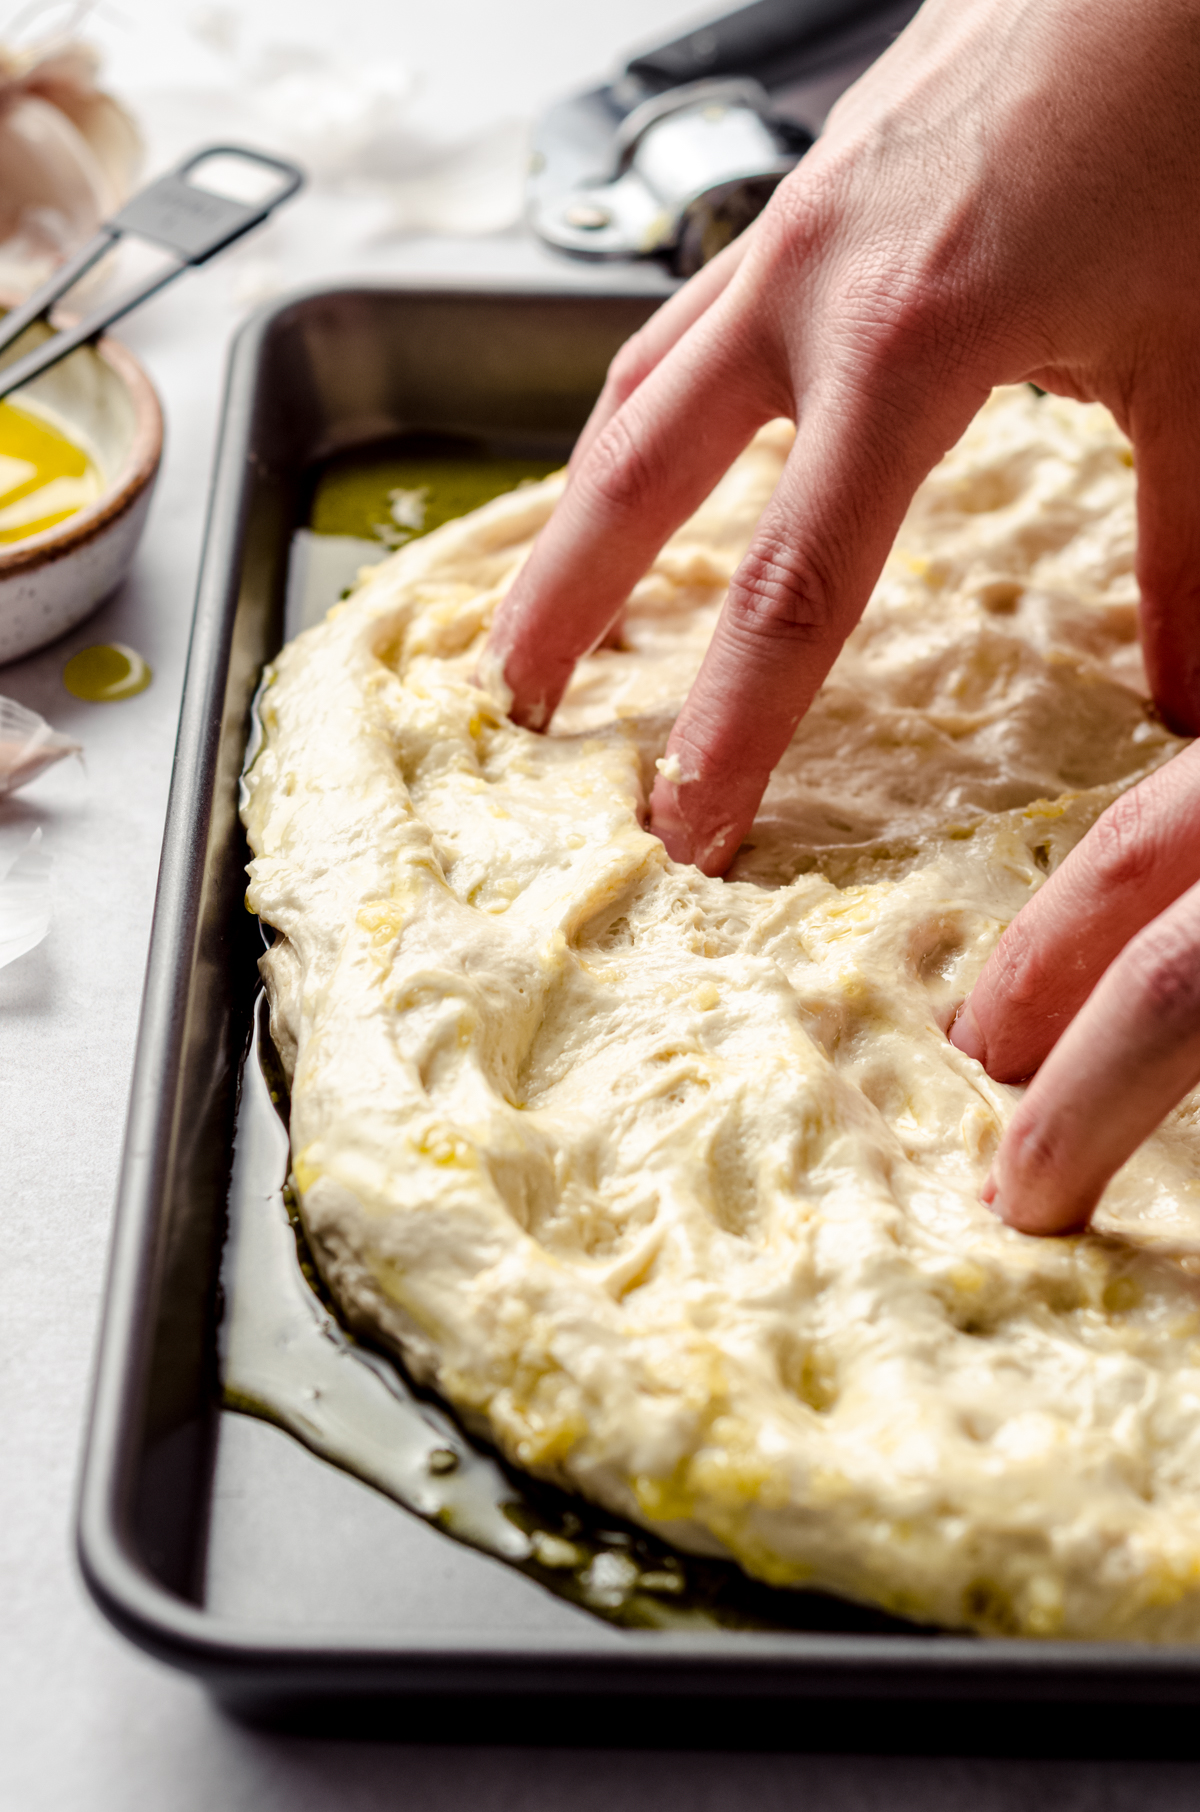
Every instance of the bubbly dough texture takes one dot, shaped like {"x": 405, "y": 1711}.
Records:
{"x": 670, "y": 1184}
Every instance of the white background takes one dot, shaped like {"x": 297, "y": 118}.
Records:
{"x": 85, "y": 1721}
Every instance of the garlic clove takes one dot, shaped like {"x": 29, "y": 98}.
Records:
{"x": 66, "y": 77}
{"x": 69, "y": 155}
{"x": 47, "y": 168}
{"x": 111, "y": 135}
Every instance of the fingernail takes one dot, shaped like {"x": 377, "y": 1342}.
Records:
{"x": 965, "y": 1034}
{"x": 992, "y": 1199}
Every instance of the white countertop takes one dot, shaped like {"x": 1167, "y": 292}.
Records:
{"x": 85, "y": 1720}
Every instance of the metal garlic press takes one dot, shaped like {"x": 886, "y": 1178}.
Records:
{"x": 684, "y": 147}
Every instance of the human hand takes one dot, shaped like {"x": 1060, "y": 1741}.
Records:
{"x": 1096, "y": 987}
{"x": 1011, "y": 192}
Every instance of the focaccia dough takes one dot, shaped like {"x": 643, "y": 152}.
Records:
{"x": 670, "y": 1184}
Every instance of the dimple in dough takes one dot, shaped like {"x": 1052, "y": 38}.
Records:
{"x": 670, "y": 1184}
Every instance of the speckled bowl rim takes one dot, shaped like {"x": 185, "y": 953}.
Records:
{"x": 137, "y": 472}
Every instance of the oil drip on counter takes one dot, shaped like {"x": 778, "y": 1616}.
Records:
{"x": 369, "y": 501}
{"x": 106, "y": 673}
{"x": 45, "y": 476}
{"x": 284, "y": 1357}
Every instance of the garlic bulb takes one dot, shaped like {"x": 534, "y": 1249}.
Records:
{"x": 68, "y": 156}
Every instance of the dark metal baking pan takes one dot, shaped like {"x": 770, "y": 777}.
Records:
{"x": 215, "y": 1541}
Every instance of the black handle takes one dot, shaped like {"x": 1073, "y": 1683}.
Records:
{"x": 752, "y": 41}
{"x": 194, "y": 222}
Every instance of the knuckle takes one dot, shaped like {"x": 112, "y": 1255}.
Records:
{"x": 1120, "y": 849}
{"x": 1163, "y": 966}
{"x": 1022, "y": 1002}
{"x": 902, "y": 335}
{"x": 783, "y": 593}
{"x": 896, "y": 307}
{"x": 1019, "y": 976}
{"x": 1034, "y": 1151}
{"x": 620, "y": 475}
{"x": 798, "y": 220}
{"x": 906, "y": 249}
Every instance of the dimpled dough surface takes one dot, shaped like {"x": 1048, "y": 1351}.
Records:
{"x": 670, "y": 1184}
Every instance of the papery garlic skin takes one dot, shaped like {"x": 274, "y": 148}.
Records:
{"x": 28, "y": 745}
{"x": 25, "y": 901}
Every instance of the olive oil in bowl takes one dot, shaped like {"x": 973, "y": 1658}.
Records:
{"x": 44, "y": 475}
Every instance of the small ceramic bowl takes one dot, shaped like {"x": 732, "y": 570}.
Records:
{"x": 50, "y": 581}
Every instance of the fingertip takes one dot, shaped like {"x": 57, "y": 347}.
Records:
{"x": 998, "y": 1203}
{"x": 530, "y": 714}
{"x": 491, "y": 677}
{"x": 1006, "y": 1210}
{"x": 1012, "y": 1214}
{"x": 526, "y": 694}
{"x": 966, "y": 1034}
{"x": 1025, "y": 1217}
{"x": 668, "y": 822}
{"x": 1035, "y": 1204}
{"x": 680, "y": 822}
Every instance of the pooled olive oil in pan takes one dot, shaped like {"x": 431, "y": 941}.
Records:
{"x": 394, "y": 496}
